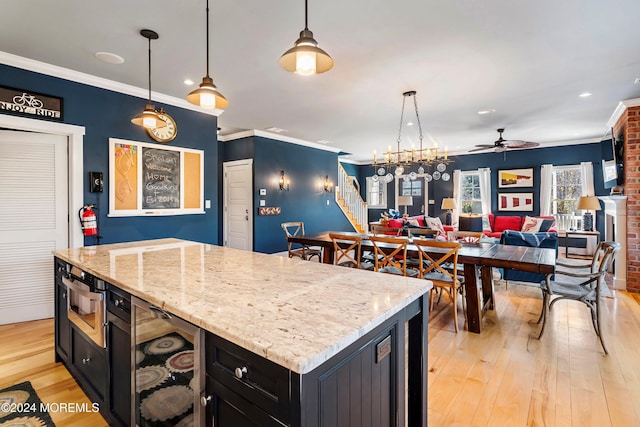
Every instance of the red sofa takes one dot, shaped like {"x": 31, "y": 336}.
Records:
{"x": 500, "y": 223}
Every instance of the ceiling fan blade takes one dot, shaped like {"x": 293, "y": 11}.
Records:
{"x": 517, "y": 144}
{"x": 488, "y": 147}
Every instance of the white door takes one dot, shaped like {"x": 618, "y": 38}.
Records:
{"x": 33, "y": 221}
{"x": 238, "y": 204}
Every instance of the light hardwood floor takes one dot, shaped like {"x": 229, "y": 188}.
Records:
{"x": 502, "y": 377}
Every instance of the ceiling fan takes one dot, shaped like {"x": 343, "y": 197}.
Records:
{"x": 503, "y": 144}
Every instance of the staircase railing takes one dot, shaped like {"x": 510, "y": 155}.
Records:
{"x": 349, "y": 199}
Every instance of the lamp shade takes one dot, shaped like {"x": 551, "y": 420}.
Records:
{"x": 405, "y": 200}
{"x": 448, "y": 203}
{"x": 589, "y": 203}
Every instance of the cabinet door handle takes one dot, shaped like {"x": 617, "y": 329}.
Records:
{"x": 240, "y": 372}
{"x": 204, "y": 400}
{"x": 119, "y": 302}
{"x": 86, "y": 360}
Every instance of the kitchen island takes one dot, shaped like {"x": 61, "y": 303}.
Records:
{"x": 336, "y": 337}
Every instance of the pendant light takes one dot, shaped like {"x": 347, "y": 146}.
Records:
{"x": 149, "y": 117}
{"x": 305, "y": 57}
{"x": 207, "y": 95}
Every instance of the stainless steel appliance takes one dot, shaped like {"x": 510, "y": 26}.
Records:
{"x": 86, "y": 307}
{"x": 168, "y": 368}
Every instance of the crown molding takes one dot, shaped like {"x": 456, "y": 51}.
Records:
{"x": 621, "y": 108}
{"x": 90, "y": 80}
{"x": 277, "y": 137}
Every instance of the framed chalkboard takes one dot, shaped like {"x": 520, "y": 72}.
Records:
{"x": 152, "y": 179}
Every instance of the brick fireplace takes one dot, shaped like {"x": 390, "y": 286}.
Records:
{"x": 627, "y": 123}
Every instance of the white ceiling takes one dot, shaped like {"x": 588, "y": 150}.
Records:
{"x": 527, "y": 60}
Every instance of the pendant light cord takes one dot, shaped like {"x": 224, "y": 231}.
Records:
{"x": 149, "y": 70}
{"x": 207, "y": 38}
{"x": 306, "y": 25}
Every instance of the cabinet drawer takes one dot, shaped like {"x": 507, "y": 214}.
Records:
{"x": 228, "y": 409}
{"x": 119, "y": 303}
{"x": 90, "y": 361}
{"x": 262, "y": 382}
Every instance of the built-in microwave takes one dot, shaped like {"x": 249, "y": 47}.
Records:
{"x": 86, "y": 305}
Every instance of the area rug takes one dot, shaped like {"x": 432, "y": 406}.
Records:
{"x": 164, "y": 373}
{"x": 21, "y": 406}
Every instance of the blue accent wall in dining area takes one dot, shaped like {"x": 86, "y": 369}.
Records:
{"x": 305, "y": 168}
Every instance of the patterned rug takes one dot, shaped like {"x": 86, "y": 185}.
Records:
{"x": 164, "y": 371}
{"x": 20, "y": 406}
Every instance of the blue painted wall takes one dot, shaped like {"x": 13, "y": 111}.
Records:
{"x": 106, "y": 114}
{"x": 516, "y": 159}
{"x": 306, "y": 199}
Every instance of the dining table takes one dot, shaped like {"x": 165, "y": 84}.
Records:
{"x": 477, "y": 258}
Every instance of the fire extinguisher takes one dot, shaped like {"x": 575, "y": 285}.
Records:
{"x": 88, "y": 220}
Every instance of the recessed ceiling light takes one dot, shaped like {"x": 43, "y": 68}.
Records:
{"x": 637, "y": 81}
{"x": 409, "y": 123}
{"x": 585, "y": 94}
{"x": 276, "y": 130}
{"x": 109, "y": 58}
{"x": 188, "y": 82}
{"x": 487, "y": 111}
{"x": 324, "y": 141}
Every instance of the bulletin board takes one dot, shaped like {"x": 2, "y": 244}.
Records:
{"x": 151, "y": 179}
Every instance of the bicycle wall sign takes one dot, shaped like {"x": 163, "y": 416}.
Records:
{"x": 29, "y": 103}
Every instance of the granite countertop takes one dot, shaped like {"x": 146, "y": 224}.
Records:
{"x": 295, "y": 313}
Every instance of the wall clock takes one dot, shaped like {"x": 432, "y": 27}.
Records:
{"x": 167, "y": 133}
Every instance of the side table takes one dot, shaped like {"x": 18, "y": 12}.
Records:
{"x": 591, "y": 240}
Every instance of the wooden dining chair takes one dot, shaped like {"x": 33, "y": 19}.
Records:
{"x": 390, "y": 255}
{"x": 464, "y": 236}
{"x": 436, "y": 259}
{"x": 351, "y": 255}
{"x": 420, "y": 233}
{"x": 385, "y": 230}
{"x": 296, "y": 228}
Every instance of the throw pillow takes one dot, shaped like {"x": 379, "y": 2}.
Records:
{"x": 547, "y": 224}
{"x": 531, "y": 224}
{"x": 413, "y": 222}
{"x": 486, "y": 224}
{"x": 435, "y": 224}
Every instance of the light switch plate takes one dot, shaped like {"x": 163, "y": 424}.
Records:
{"x": 263, "y": 202}
{"x": 263, "y": 191}
{"x": 207, "y": 204}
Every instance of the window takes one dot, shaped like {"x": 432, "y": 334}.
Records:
{"x": 412, "y": 188}
{"x": 470, "y": 196}
{"x": 566, "y": 189}
{"x": 376, "y": 194}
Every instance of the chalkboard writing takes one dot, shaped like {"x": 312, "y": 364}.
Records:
{"x": 160, "y": 179}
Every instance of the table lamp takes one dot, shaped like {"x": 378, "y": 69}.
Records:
{"x": 405, "y": 201}
{"x": 587, "y": 204}
{"x": 449, "y": 203}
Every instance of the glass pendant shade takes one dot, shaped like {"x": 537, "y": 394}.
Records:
{"x": 149, "y": 118}
{"x": 207, "y": 95}
{"x": 305, "y": 57}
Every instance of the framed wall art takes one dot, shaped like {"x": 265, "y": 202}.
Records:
{"x": 522, "y": 202}
{"x": 514, "y": 178}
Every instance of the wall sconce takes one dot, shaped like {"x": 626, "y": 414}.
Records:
{"x": 328, "y": 185}
{"x": 283, "y": 182}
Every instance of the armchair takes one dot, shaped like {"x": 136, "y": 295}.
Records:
{"x": 583, "y": 283}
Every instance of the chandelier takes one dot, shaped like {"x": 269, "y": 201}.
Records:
{"x": 424, "y": 159}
